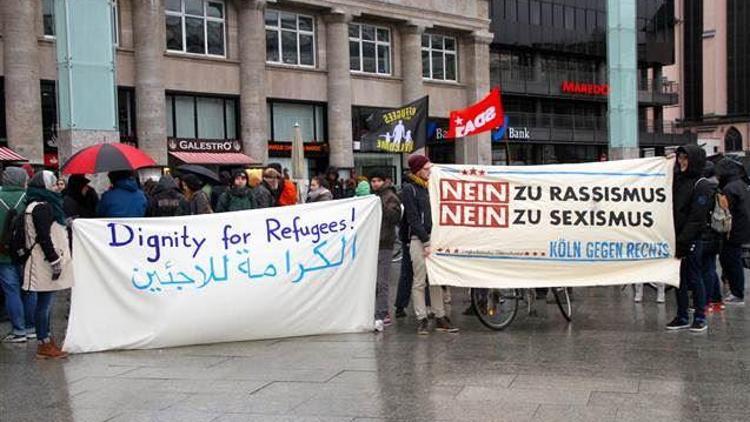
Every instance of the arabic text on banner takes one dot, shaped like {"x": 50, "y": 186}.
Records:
{"x": 278, "y": 272}
{"x": 586, "y": 224}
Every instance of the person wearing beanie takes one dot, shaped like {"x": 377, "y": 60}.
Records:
{"x": 197, "y": 200}
{"x": 48, "y": 268}
{"x": 391, "y": 207}
{"x": 238, "y": 197}
{"x": 416, "y": 199}
{"x": 265, "y": 193}
{"x": 19, "y": 305}
{"x": 363, "y": 189}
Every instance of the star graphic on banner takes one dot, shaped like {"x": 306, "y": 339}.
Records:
{"x": 459, "y": 121}
{"x": 464, "y": 172}
{"x": 481, "y": 172}
{"x": 473, "y": 172}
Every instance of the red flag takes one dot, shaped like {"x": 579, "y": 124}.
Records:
{"x": 483, "y": 116}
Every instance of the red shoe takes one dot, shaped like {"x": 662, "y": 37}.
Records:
{"x": 49, "y": 351}
{"x": 709, "y": 308}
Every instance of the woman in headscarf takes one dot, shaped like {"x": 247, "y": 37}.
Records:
{"x": 79, "y": 199}
{"x": 48, "y": 268}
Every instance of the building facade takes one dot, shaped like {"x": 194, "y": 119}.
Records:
{"x": 238, "y": 75}
{"x": 549, "y": 58}
{"x": 713, "y": 67}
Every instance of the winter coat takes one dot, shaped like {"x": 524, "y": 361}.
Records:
{"x": 391, "y": 216}
{"x": 124, "y": 199}
{"x": 80, "y": 206}
{"x": 49, "y": 244}
{"x": 167, "y": 200}
{"x": 236, "y": 199}
{"x": 12, "y": 197}
{"x": 320, "y": 194}
{"x": 198, "y": 204}
{"x": 288, "y": 193}
{"x": 691, "y": 200}
{"x": 417, "y": 219}
{"x": 264, "y": 198}
{"x": 733, "y": 184}
{"x": 216, "y": 193}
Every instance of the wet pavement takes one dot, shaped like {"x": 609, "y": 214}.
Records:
{"x": 614, "y": 362}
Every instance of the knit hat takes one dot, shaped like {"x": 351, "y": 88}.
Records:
{"x": 15, "y": 176}
{"x": 363, "y": 188}
{"x": 378, "y": 174}
{"x": 417, "y": 162}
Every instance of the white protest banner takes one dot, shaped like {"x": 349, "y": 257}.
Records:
{"x": 585, "y": 224}
{"x": 279, "y": 272}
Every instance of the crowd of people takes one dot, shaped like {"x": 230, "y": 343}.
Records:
{"x": 706, "y": 193}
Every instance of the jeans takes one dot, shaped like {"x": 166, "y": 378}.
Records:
{"x": 419, "y": 285}
{"x": 732, "y": 269}
{"x": 710, "y": 278}
{"x": 19, "y": 305}
{"x": 405, "y": 279}
{"x": 691, "y": 278}
{"x": 43, "y": 314}
{"x": 384, "y": 280}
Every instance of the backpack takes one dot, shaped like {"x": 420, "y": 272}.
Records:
{"x": 17, "y": 250}
{"x": 721, "y": 218}
{"x": 11, "y": 216}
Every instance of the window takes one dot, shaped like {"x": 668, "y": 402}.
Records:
{"x": 535, "y": 13}
{"x": 290, "y": 38}
{"x": 195, "y": 26}
{"x": 49, "y": 114}
{"x": 282, "y": 116}
{"x": 439, "y": 57}
{"x": 570, "y": 18}
{"x": 126, "y": 114}
{"x": 193, "y": 117}
{"x": 48, "y": 17}
{"x": 115, "y": 24}
{"x": 369, "y": 49}
{"x": 732, "y": 140}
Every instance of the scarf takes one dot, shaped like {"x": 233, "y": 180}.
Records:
{"x": 418, "y": 181}
{"x": 34, "y": 194}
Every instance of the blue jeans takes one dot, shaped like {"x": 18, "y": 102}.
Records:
{"x": 710, "y": 278}
{"x": 19, "y": 305}
{"x": 732, "y": 269}
{"x": 691, "y": 278}
{"x": 43, "y": 314}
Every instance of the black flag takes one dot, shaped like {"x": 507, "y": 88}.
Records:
{"x": 402, "y": 129}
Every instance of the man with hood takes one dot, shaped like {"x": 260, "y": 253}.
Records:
{"x": 391, "y": 206}
{"x": 20, "y": 305}
{"x": 733, "y": 184}
{"x": 167, "y": 200}
{"x": 79, "y": 199}
{"x": 124, "y": 198}
{"x": 691, "y": 196}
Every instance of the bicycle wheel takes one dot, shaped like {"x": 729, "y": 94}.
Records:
{"x": 495, "y": 308}
{"x": 563, "y": 302}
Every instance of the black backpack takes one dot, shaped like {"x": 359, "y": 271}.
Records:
{"x": 13, "y": 240}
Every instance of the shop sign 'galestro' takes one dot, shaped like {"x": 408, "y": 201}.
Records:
{"x": 556, "y": 225}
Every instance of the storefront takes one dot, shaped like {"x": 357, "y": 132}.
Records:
{"x": 520, "y": 145}
{"x": 283, "y": 117}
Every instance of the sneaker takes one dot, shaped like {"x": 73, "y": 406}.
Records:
{"x": 444, "y": 325}
{"x": 379, "y": 326}
{"x": 422, "y": 327}
{"x": 718, "y": 306}
{"x": 31, "y": 335}
{"x": 734, "y": 300}
{"x": 638, "y": 296}
{"x": 678, "y": 324}
{"x": 387, "y": 321}
{"x": 660, "y": 296}
{"x": 699, "y": 325}
{"x": 49, "y": 351}
{"x": 14, "y": 338}
{"x": 400, "y": 313}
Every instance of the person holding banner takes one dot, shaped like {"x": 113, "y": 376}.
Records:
{"x": 691, "y": 202}
{"x": 391, "y": 215}
{"x": 416, "y": 199}
{"x": 47, "y": 268}
{"x": 238, "y": 197}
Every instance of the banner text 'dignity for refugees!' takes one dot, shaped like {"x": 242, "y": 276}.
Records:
{"x": 555, "y": 225}
{"x": 143, "y": 283}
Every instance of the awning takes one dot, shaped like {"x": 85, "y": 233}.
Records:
{"x": 7, "y": 154}
{"x": 219, "y": 158}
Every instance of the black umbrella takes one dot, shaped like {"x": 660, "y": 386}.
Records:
{"x": 199, "y": 171}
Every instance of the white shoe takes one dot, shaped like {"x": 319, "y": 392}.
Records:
{"x": 638, "y": 293}
{"x": 379, "y": 326}
{"x": 660, "y": 296}
{"x": 733, "y": 300}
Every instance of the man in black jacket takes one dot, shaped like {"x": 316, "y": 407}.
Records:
{"x": 418, "y": 217}
{"x": 691, "y": 196}
{"x": 734, "y": 186}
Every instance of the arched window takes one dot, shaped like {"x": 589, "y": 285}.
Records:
{"x": 733, "y": 140}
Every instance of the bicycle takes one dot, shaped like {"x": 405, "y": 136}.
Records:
{"x": 497, "y": 308}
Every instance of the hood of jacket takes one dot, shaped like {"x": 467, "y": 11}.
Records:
{"x": 126, "y": 184}
{"x": 166, "y": 184}
{"x": 696, "y": 159}
{"x": 728, "y": 169}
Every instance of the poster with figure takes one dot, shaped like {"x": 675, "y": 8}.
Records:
{"x": 402, "y": 129}
{"x": 269, "y": 273}
{"x": 589, "y": 224}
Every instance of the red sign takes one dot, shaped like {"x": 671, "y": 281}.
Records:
{"x": 284, "y": 149}
{"x": 51, "y": 160}
{"x": 570, "y": 87}
{"x": 470, "y": 203}
{"x": 483, "y": 116}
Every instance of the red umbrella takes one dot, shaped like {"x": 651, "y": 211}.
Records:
{"x": 103, "y": 158}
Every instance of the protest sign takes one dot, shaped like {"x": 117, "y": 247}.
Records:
{"x": 277, "y": 272}
{"x": 555, "y": 225}
{"x": 402, "y": 129}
